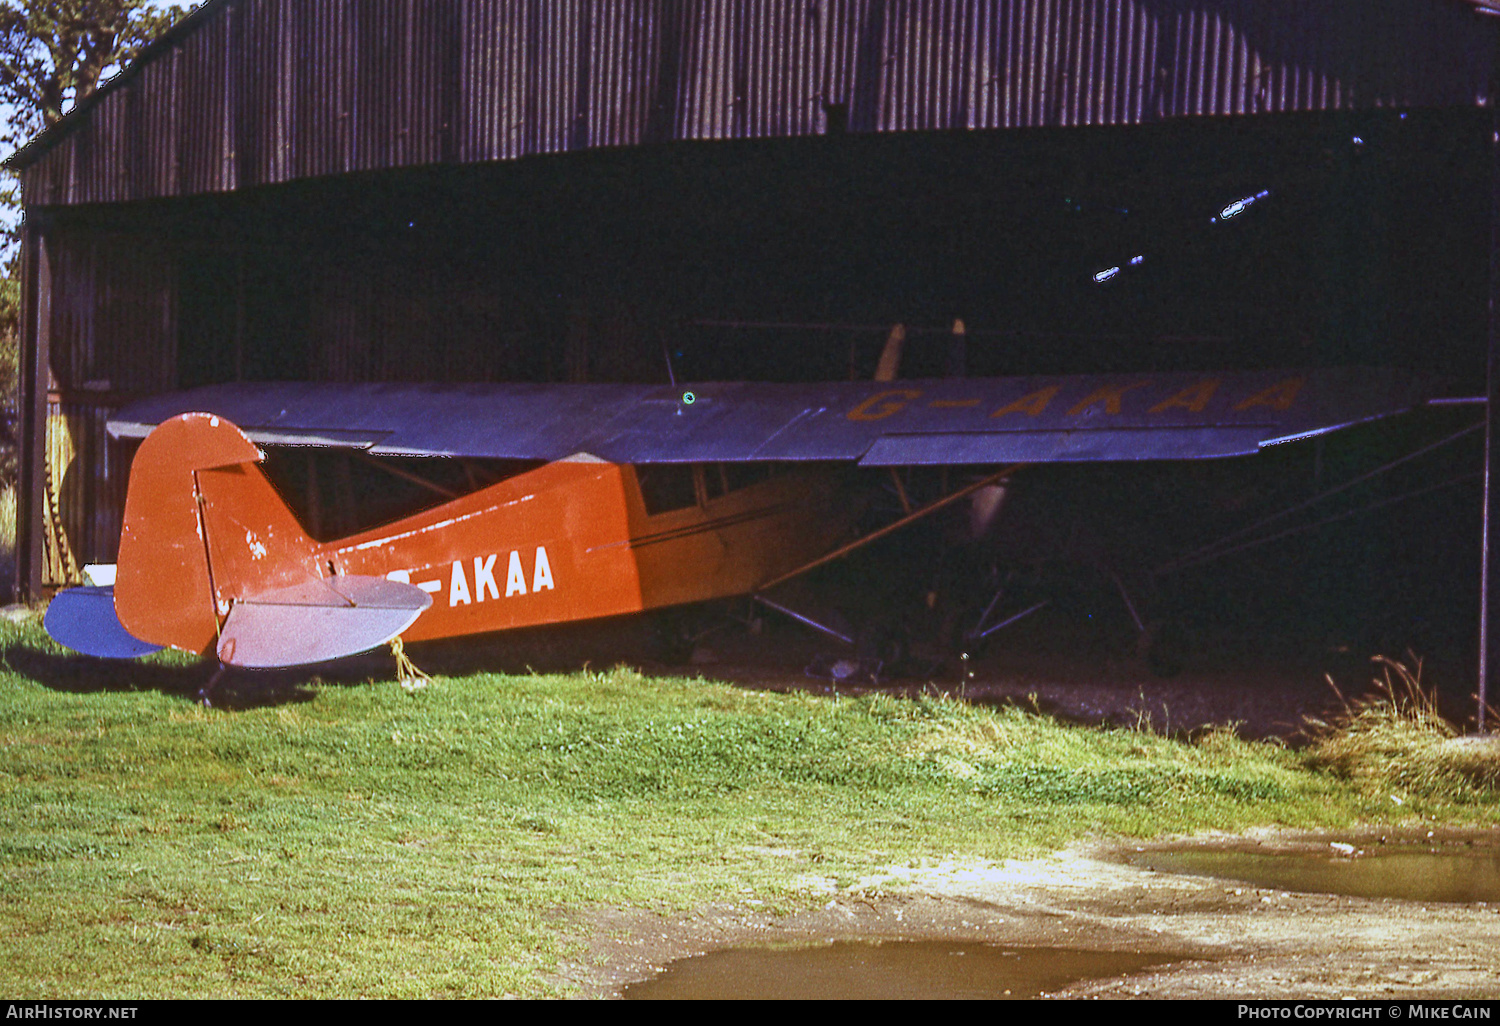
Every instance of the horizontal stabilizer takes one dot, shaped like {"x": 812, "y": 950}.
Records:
{"x": 84, "y": 620}
{"x": 317, "y": 621}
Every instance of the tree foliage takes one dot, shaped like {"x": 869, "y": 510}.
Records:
{"x": 55, "y": 53}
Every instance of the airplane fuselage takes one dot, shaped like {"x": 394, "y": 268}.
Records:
{"x": 580, "y": 539}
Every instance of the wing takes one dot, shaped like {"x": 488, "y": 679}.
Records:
{"x": 916, "y": 422}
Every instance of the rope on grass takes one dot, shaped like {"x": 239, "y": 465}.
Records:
{"x": 408, "y": 674}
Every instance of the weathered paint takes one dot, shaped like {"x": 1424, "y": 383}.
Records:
{"x": 250, "y": 93}
{"x": 164, "y": 592}
{"x": 533, "y": 549}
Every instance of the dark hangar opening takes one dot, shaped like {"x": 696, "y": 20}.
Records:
{"x": 1365, "y": 244}
{"x": 789, "y": 259}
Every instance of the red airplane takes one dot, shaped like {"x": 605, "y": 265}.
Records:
{"x": 639, "y": 497}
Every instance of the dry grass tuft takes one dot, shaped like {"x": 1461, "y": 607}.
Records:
{"x": 7, "y": 520}
{"x": 983, "y": 739}
{"x": 1395, "y": 739}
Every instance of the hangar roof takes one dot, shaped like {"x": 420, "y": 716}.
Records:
{"x": 254, "y": 92}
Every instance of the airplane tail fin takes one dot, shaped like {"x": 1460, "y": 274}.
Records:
{"x": 212, "y": 560}
{"x": 164, "y": 588}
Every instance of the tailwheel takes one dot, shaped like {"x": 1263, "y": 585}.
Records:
{"x": 206, "y": 692}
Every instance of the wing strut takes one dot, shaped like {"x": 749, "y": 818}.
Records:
{"x": 896, "y": 525}
{"x": 1226, "y": 545}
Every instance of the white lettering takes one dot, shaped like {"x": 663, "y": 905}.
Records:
{"x": 402, "y": 576}
{"x": 484, "y": 578}
{"x": 543, "y": 576}
{"x": 515, "y": 579}
{"x": 458, "y": 588}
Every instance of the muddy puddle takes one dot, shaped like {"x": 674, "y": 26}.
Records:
{"x": 1459, "y": 873}
{"x": 891, "y": 970}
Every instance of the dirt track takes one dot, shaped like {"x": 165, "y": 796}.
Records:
{"x": 1225, "y": 939}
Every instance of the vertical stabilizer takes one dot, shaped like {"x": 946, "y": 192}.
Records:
{"x": 212, "y": 561}
{"x": 184, "y": 476}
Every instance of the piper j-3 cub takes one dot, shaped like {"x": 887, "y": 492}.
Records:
{"x": 638, "y": 497}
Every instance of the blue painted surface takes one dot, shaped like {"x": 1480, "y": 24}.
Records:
{"x": 912, "y": 422}
{"x": 84, "y": 620}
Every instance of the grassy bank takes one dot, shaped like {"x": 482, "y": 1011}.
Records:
{"x": 363, "y": 841}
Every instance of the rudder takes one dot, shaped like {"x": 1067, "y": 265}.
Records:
{"x": 202, "y": 527}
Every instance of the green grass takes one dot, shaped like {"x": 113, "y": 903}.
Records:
{"x": 366, "y": 841}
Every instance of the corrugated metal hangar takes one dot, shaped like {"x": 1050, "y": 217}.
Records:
{"x": 494, "y": 190}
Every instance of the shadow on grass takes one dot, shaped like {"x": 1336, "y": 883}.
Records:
{"x": 81, "y": 675}
{"x": 563, "y": 649}
{"x": 635, "y": 640}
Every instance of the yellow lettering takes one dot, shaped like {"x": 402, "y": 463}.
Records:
{"x": 1277, "y": 397}
{"x": 882, "y": 404}
{"x": 1031, "y": 405}
{"x": 1109, "y": 395}
{"x": 1193, "y": 399}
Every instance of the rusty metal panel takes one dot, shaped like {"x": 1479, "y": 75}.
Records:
{"x": 205, "y": 108}
{"x": 253, "y": 92}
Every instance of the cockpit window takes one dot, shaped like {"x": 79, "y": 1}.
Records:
{"x": 667, "y": 486}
